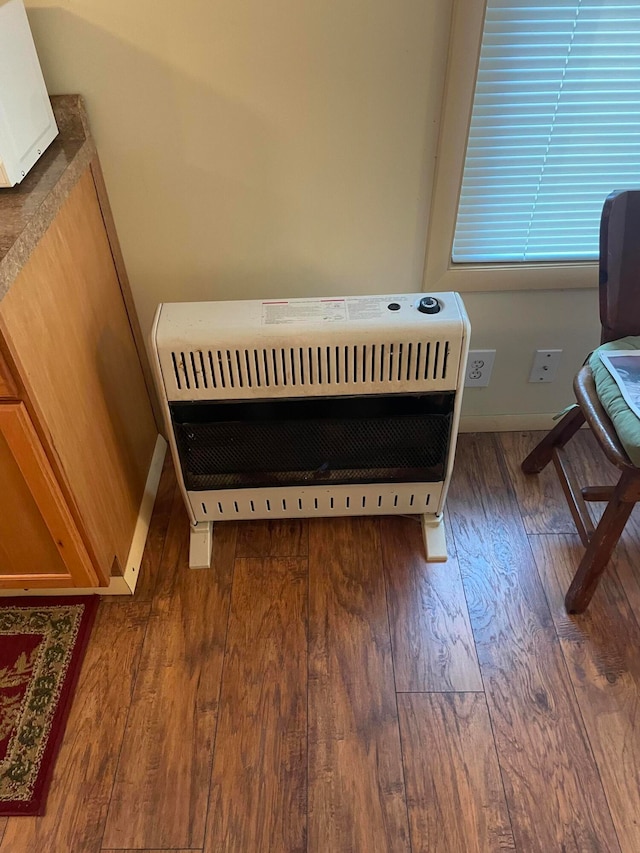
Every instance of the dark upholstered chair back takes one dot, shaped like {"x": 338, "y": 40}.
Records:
{"x": 620, "y": 265}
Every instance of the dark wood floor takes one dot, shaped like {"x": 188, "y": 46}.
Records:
{"x": 324, "y": 689}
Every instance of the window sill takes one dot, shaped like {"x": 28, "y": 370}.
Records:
{"x": 469, "y": 278}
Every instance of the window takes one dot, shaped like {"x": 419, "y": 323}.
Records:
{"x": 541, "y": 122}
{"x": 555, "y": 128}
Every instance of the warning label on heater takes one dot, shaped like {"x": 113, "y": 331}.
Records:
{"x": 331, "y": 310}
{"x": 304, "y": 311}
{"x": 373, "y": 307}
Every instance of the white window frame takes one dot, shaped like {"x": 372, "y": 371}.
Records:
{"x": 440, "y": 273}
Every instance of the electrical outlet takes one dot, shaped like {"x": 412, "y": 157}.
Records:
{"x": 545, "y": 365}
{"x": 479, "y": 367}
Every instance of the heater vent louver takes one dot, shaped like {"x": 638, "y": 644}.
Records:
{"x": 304, "y": 503}
{"x": 348, "y": 367}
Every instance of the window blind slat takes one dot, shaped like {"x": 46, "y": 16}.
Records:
{"x": 555, "y": 128}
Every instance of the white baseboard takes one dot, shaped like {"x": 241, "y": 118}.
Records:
{"x": 125, "y": 584}
{"x": 134, "y": 558}
{"x": 506, "y": 423}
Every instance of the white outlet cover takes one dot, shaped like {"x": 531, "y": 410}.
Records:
{"x": 545, "y": 365}
{"x": 479, "y": 367}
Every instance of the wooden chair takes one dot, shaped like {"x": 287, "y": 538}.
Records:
{"x": 619, "y": 316}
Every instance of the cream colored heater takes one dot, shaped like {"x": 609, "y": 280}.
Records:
{"x": 312, "y": 407}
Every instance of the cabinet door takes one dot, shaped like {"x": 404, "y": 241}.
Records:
{"x": 40, "y": 545}
{"x": 66, "y": 328}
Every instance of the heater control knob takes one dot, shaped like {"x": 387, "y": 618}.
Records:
{"x": 429, "y": 305}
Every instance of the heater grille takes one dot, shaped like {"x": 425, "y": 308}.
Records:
{"x": 218, "y": 373}
{"x": 394, "y": 438}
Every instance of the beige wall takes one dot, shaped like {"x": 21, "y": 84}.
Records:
{"x": 253, "y": 148}
{"x": 285, "y": 148}
{"x": 515, "y": 324}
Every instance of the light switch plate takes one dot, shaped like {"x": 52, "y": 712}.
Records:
{"x": 545, "y": 365}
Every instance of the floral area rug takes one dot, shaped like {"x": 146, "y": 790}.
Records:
{"x": 42, "y": 644}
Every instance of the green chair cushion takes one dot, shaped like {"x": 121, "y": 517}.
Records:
{"x": 625, "y": 423}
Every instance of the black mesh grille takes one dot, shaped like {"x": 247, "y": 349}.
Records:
{"x": 391, "y": 440}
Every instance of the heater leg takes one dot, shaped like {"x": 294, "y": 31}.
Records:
{"x": 434, "y": 539}
{"x": 200, "y": 545}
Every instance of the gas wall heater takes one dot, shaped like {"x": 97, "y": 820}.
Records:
{"x": 312, "y": 407}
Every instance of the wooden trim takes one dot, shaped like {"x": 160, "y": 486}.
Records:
{"x": 22, "y": 439}
{"x": 8, "y": 387}
{"x": 125, "y": 287}
{"x": 117, "y": 586}
{"x": 15, "y": 583}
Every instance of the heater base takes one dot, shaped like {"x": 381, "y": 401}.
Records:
{"x": 200, "y": 545}
{"x": 432, "y": 530}
{"x": 434, "y": 537}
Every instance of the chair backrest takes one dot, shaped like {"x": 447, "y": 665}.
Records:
{"x": 620, "y": 265}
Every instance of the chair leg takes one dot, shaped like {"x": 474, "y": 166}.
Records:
{"x": 600, "y": 547}
{"x": 561, "y": 433}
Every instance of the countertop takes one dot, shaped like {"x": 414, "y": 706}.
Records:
{"x": 27, "y": 210}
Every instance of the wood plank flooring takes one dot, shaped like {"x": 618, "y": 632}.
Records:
{"x": 322, "y": 688}
{"x": 433, "y": 648}
{"x": 451, "y": 763}
{"x": 356, "y": 784}
{"x": 259, "y": 781}
{"x": 540, "y": 738}
{"x": 161, "y": 789}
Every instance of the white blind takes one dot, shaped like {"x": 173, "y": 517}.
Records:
{"x": 555, "y": 128}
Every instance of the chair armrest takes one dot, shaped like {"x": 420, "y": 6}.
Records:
{"x": 584, "y": 387}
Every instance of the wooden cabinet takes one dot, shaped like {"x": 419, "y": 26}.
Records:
{"x": 77, "y": 430}
{"x": 40, "y": 545}
{"x": 8, "y": 389}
